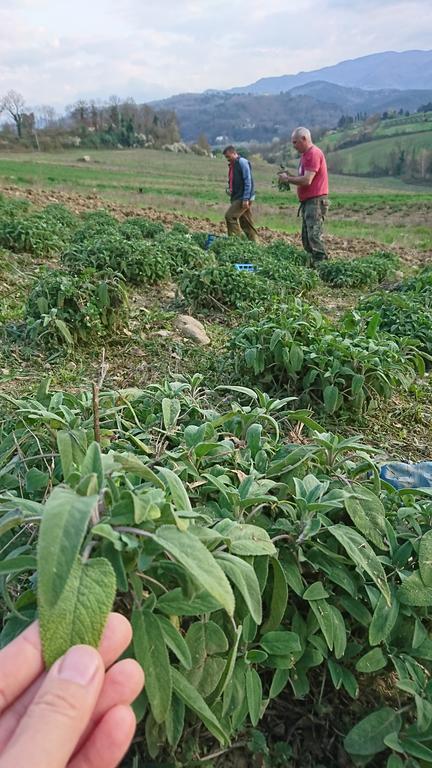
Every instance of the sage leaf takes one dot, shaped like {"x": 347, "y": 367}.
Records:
{"x": 254, "y": 695}
{"x": 176, "y": 488}
{"x": 414, "y": 592}
{"x": 187, "y": 693}
{"x": 279, "y": 597}
{"x": 245, "y": 579}
{"x": 80, "y": 613}
{"x": 151, "y": 653}
{"x": 362, "y": 554}
{"x": 383, "y": 620}
{"x": 198, "y": 562}
{"x": 367, "y": 736}
{"x": 64, "y": 523}
{"x": 425, "y": 558}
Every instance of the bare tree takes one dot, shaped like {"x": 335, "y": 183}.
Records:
{"x": 14, "y": 104}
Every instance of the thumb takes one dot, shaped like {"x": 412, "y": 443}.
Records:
{"x": 58, "y": 715}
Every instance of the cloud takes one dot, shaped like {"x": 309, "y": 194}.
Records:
{"x": 57, "y": 53}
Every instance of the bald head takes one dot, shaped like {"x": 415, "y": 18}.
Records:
{"x": 301, "y": 139}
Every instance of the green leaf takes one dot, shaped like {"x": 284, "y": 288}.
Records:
{"x": 187, "y": 693}
{"x": 151, "y": 653}
{"x": 175, "y": 603}
{"x": 175, "y": 641}
{"x": 414, "y": 592}
{"x": 371, "y": 661}
{"x": 171, "y": 410}
{"x": 316, "y": 591}
{"x": 279, "y": 597}
{"x": 362, "y": 555}
{"x": 175, "y": 721}
{"x": 80, "y": 613}
{"x": 63, "y": 527}
{"x": 131, "y": 463}
{"x": 416, "y": 749}
{"x": 253, "y": 438}
{"x": 425, "y": 558}
{"x": 330, "y": 395}
{"x": 367, "y": 736}
{"x": 395, "y": 761}
{"x": 326, "y": 620}
{"x": 281, "y": 643}
{"x": 244, "y": 577}
{"x": 18, "y": 564}
{"x": 244, "y": 539}
{"x": 339, "y": 632}
{"x": 176, "y": 488}
{"x": 36, "y": 480}
{"x": 198, "y": 562}
{"x": 367, "y": 513}
{"x": 254, "y": 695}
{"x": 92, "y": 464}
{"x": 64, "y": 445}
{"x": 64, "y": 330}
{"x": 383, "y": 620}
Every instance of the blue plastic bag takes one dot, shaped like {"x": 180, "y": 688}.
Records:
{"x": 402, "y": 474}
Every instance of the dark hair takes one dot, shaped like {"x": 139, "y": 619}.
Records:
{"x": 229, "y": 148}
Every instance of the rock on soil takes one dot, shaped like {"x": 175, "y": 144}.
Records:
{"x": 192, "y": 328}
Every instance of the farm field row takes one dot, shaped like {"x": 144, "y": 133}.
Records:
{"x": 394, "y": 212}
{"x": 228, "y": 490}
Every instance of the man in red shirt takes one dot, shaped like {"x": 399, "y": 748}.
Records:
{"x": 312, "y": 191}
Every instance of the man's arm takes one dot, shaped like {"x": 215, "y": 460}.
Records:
{"x": 247, "y": 180}
{"x": 300, "y": 181}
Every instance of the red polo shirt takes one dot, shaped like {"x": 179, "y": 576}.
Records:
{"x": 313, "y": 160}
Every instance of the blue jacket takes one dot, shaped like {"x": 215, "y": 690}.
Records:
{"x": 243, "y": 187}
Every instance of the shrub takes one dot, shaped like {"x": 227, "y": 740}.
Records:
{"x": 260, "y": 576}
{"x": 183, "y": 253}
{"x": 40, "y": 233}
{"x": 299, "y": 352}
{"x": 63, "y": 308}
{"x": 356, "y": 273}
{"x": 403, "y": 315}
{"x": 224, "y": 286}
{"x": 144, "y": 227}
{"x": 138, "y": 260}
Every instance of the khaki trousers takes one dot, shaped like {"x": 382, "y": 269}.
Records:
{"x": 239, "y": 220}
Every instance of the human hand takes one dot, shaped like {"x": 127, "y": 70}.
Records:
{"x": 283, "y": 176}
{"x": 245, "y": 204}
{"x": 76, "y": 714}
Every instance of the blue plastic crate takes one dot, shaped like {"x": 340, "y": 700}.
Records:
{"x": 209, "y": 241}
{"x": 245, "y": 267}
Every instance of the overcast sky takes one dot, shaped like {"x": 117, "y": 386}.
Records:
{"x": 55, "y": 52}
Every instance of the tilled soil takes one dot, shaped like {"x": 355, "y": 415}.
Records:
{"x": 338, "y": 247}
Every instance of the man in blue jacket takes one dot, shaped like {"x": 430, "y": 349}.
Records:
{"x": 242, "y": 193}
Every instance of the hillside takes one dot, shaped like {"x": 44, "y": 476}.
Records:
{"x": 255, "y": 117}
{"x": 399, "y": 147}
{"x": 390, "y": 69}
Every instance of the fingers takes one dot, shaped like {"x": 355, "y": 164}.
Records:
{"x": 20, "y": 663}
{"x": 122, "y": 684}
{"x": 108, "y": 742}
{"x": 58, "y": 715}
{"x": 115, "y": 639}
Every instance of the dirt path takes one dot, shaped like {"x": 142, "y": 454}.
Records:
{"x": 338, "y": 246}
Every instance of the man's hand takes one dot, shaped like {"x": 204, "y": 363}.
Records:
{"x": 78, "y": 713}
{"x": 245, "y": 204}
{"x": 284, "y": 176}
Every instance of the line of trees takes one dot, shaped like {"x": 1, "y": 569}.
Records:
{"x": 87, "y": 123}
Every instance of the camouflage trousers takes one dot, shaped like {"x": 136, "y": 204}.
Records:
{"x": 313, "y": 213}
